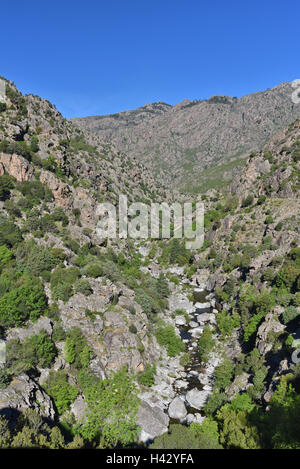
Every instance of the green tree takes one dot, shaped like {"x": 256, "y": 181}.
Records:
{"x": 112, "y": 409}
{"x": 223, "y": 373}
{"x": 58, "y": 387}
{"x": 167, "y": 337}
{"x": 205, "y": 344}
{"x": 25, "y": 302}
{"x": 181, "y": 437}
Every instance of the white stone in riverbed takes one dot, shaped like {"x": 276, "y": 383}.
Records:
{"x": 204, "y": 379}
{"x": 206, "y": 317}
{"x": 207, "y": 387}
{"x": 203, "y": 306}
{"x": 193, "y": 324}
{"x": 197, "y": 331}
{"x": 180, "y": 321}
{"x": 199, "y": 418}
{"x": 197, "y": 399}
{"x": 177, "y": 409}
{"x": 180, "y": 384}
{"x": 209, "y": 296}
{"x": 190, "y": 418}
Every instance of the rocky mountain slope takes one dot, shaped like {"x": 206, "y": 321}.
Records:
{"x": 179, "y": 142}
{"x": 122, "y": 342}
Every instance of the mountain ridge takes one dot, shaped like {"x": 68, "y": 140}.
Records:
{"x": 192, "y": 136}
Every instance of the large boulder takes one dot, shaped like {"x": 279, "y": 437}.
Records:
{"x": 180, "y": 321}
{"x": 266, "y": 333}
{"x": 177, "y": 409}
{"x": 206, "y": 317}
{"x": 79, "y": 408}
{"x": 205, "y": 307}
{"x": 152, "y": 420}
{"x": 197, "y": 399}
{"x": 180, "y": 301}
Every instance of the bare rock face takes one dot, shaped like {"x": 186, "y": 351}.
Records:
{"x": 269, "y": 327}
{"x": 108, "y": 332}
{"x": 43, "y": 324}
{"x": 61, "y": 191}
{"x": 152, "y": 420}
{"x": 16, "y": 166}
{"x": 24, "y": 393}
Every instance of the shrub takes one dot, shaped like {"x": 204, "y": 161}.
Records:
{"x": 289, "y": 314}
{"x": 223, "y": 373}
{"x": 59, "y": 215}
{"x": 6, "y": 184}
{"x": 112, "y": 409}
{"x": 25, "y": 302}
{"x": 166, "y": 337}
{"x": 287, "y": 276}
{"x": 35, "y": 191}
{"x": 269, "y": 219}
{"x": 227, "y": 323}
{"x": 77, "y": 351}
{"x": 83, "y": 286}
{"x": 42, "y": 348}
{"x": 252, "y": 326}
{"x": 60, "y": 390}
{"x": 62, "y": 281}
{"x": 296, "y": 299}
{"x": 10, "y": 234}
{"x": 205, "y": 344}
{"x": 36, "y": 351}
{"x": 93, "y": 270}
{"x": 261, "y": 199}
{"x": 5, "y": 256}
{"x": 247, "y": 201}
{"x": 35, "y": 258}
{"x": 62, "y": 291}
{"x": 147, "y": 377}
{"x": 181, "y": 437}
{"x": 58, "y": 334}
{"x": 5, "y": 378}
{"x": 132, "y": 329}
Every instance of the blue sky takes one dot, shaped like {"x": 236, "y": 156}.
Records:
{"x": 99, "y": 57}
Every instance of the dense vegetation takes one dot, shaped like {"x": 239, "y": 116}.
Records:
{"x": 51, "y": 260}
